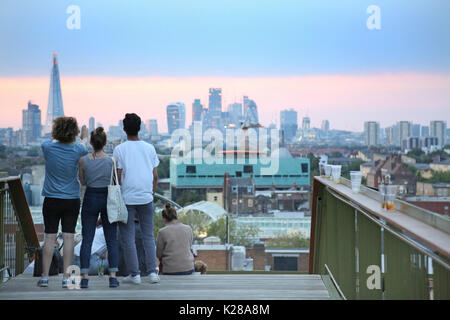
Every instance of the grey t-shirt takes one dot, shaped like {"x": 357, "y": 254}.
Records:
{"x": 97, "y": 172}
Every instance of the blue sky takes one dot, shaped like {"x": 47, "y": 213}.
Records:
{"x": 236, "y": 38}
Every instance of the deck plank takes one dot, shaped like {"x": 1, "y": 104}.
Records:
{"x": 194, "y": 287}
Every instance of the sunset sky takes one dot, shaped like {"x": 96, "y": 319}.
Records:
{"x": 317, "y": 57}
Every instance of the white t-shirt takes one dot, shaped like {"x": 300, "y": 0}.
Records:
{"x": 98, "y": 244}
{"x": 137, "y": 159}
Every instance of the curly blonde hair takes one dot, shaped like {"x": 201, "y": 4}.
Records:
{"x": 65, "y": 129}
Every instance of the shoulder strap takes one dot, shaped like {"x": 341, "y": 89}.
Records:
{"x": 113, "y": 172}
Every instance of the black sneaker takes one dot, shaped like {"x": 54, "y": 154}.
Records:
{"x": 113, "y": 283}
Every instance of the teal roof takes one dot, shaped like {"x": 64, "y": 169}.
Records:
{"x": 290, "y": 171}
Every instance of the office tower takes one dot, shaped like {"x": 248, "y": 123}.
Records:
{"x": 152, "y": 125}
{"x": 31, "y": 123}
{"x": 55, "y": 105}
{"x": 438, "y": 129}
{"x": 91, "y": 124}
{"x": 325, "y": 126}
{"x": 372, "y": 133}
{"x": 425, "y": 131}
{"x": 430, "y": 141}
{"x": 389, "y": 133}
{"x": 288, "y": 123}
{"x": 416, "y": 130}
{"x": 215, "y": 107}
{"x": 235, "y": 113}
{"x": 197, "y": 111}
{"x": 306, "y": 124}
{"x": 176, "y": 116}
{"x": 404, "y": 131}
{"x": 250, "y": 110}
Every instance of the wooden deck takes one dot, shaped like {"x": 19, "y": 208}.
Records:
{"x": 193, "y": 287}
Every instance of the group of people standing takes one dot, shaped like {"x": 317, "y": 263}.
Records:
{"x": 67, "y": 163}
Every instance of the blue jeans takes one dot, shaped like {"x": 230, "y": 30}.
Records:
{"x": 96, "y": 261}
{"x": 94, "y": 203}
{"x": 128, "y": 238}
{"x": 183, "y": 273}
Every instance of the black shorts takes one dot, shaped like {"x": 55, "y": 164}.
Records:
{"x": 66, "y": 210}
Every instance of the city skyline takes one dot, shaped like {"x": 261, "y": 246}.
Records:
{"x": 325, "y": 64}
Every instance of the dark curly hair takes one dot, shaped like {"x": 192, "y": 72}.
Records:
{"x": 132, "y": 124}
{"x": 169, "y": 213}
{"x": 65, "y": 129}
{"x": 98, "y": 138}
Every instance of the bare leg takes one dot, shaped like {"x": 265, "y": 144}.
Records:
{"x": 47, "y": 252}
{"x": 68, "y": 251}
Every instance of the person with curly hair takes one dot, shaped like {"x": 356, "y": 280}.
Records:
{"x": 61, "y": 191}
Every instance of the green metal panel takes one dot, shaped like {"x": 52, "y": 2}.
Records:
{"x": 441, "y": 282}
{"x": 2, "y": 229}
{"x": 345, "y": 232}
{"x": 369, "y": 254}
{"x": 406, "y": 270}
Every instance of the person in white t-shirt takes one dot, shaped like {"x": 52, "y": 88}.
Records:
{"x": 99, "y": 252}
{"x": 137, "y": 164}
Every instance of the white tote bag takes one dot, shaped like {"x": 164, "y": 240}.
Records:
{"x": 117, "y": 211}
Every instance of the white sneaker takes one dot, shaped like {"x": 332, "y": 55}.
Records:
{"x": 130, "y": 279}
{"x": 154, "y": 278}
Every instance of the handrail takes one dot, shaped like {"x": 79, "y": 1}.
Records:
{"x": 168, "y": 200}
{"x": 335, "y": 283}
{"x": 410, "y": 241}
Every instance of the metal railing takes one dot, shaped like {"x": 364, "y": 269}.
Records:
{"x": 16, "y": 229}
{"x": 371, "y": 258}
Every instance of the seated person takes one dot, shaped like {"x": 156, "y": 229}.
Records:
{"x": 173, "y": 245}
{"x": 99, "y": 253}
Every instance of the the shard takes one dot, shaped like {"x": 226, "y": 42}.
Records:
{"x": 55, "y": 105}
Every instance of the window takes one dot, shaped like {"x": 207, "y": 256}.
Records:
{"x": 238, "y": 174}
{"x": 191, "y": 169}
{"x": 304, "y": 168}
{"x": 215, "y": 198}
{"x": 249, "y": 189}
{"x": 248, "y": 169}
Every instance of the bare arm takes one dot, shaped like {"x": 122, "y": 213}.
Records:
{"x": 155, "y": 179}
{"x": 81, "y": 175}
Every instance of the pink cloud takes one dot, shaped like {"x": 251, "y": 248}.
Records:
{"x": 347, "y": 101}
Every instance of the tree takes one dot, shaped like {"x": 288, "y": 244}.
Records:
{"x": 189, "y": 197}
{"x": 239, "y": 236}
{"x": 198, "y": 221}
{"x": 291, "y": 240}
{"x": 164, "y": 168}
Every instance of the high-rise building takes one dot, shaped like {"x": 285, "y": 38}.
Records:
{"x": 55, "y": 105}
{"x": 389, "y": 134}
{"x": 404, "y": 131}
{"x": 325, "y": 126}
{"x": 288, "y": 123}
{"x": 250, "y": 110}
{"x": 153, "y": 127}
{"x": 176, "y": 116}
{"x": 31, "y": 123}
{"x": 91, "y": 124}
{"x": 425, "y": 131}
{"x": 372, "y": 133}
{"x": 416, "y": 130}
{"x": 215, "y": 108}
{"x": 197, "y": 110}
{"x": 438, "y": 129}
{"x": 235, "y": 113}
{"x": 306, "y": 124}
